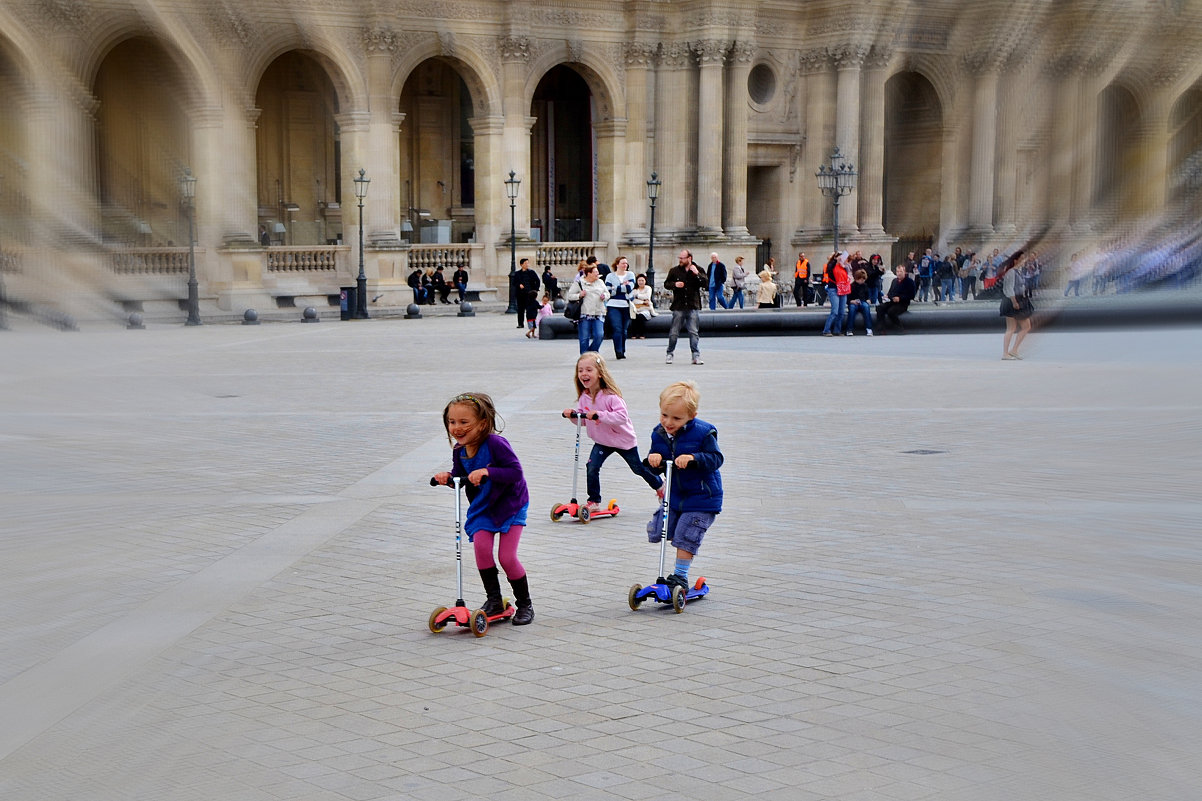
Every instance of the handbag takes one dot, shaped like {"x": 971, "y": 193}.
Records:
{"x": 572, "y": 309}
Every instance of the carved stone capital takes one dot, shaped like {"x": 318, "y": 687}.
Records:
{"x": 711, "y": 51}
{"x": 848, "y": 57}
{"x": 676, "y": 55}
{"x": 639, "y": 54}
{"x": 743, "y": 52}
{"x": 878, "y": 57}
{"x": 514, "y": 48}
{"x": 815, "y": 60}
{"x": 379, "y": 40}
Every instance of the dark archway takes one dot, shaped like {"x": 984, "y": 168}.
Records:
{"x": 298, "y": 152}
{"x": 1185, "y": 145}
{"x": 142, "y": 145}
{"x": 1116, "y": 182}
{"x": 913, "y": 160}
{"x": 437, "y": 149}
{"x": 562, "y": 154}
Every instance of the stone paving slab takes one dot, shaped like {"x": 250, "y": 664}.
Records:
{"x": 937, "y": 576}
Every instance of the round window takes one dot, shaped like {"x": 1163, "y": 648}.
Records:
{"x": 761, "y": 83}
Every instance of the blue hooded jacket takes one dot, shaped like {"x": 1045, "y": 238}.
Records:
{"x": 698, "y": 487}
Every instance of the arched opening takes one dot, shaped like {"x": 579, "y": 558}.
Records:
{"x": 437, "y": 147}
{"x": 14, "y": 197}
{"x": 1116, "y": 185}
{"x": 299, "y": 192}
{"x": 562, "y": 154}
{"x": 142, "y": 146}
{"x": 913, "y": 162}
{"x": 1185, "y": 146}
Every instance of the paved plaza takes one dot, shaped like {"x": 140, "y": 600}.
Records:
{"x": 938, "y": 575}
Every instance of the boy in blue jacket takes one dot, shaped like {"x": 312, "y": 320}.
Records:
{"x": 696, "y": 492}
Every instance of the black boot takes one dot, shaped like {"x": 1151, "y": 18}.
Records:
{"x": 492, "y": 588}
{"x": 521, "y": 593}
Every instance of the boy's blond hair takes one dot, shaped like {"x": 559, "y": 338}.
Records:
{"x": 684, "y": 392}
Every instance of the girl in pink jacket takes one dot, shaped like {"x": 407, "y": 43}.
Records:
{"x": 612, "y": 431}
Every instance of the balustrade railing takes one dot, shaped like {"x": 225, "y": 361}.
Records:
{"x": 445, "y": 256}
{"x": 149, "y": 261}
{"x": 314, "y": 258}
{"x": 567, "y": 254}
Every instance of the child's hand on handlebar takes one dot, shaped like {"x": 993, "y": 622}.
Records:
{"x": 654, "y": 459}
{"x": 476, "y": 476}
{"x": 683, "y": 461}
{"x": 442, "y": 478}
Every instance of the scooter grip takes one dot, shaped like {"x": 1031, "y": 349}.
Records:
{"x": 434, "y": 482}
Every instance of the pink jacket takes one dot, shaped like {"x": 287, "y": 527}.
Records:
{"x": 613, "y": 427}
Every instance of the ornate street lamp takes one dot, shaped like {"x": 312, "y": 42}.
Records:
{"x": 652, "y": 194}
{"x": 836, "y": 180}
{"x": 361, "y": 183}
{"x": 511, "y": 191}
{"x": 187, "y": 188}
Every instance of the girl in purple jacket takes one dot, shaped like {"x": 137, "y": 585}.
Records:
{"x": 612, "y": 431}
{"x": 497, "y": 497}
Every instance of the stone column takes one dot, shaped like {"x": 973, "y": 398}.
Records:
{"x": 355, "y": 134}
{"x": 1010, "y": 88}
{"x": 818, "y": 129}
{"x": 515, "y": 152}
{"x": 610, "y": 179}
{"x": 849, "y": 60}
{"x": 492, "y": 207}
{"x": 675, "y": 106}
{"x": 734, "y": 157}
{"x": 870, "y": 186}
{"x": 711, "y": 55}
{"x": 1087, "y": 153}
{"x": 1065, "y": 128}
{"x": 984, "y": 147}
{"x": 382, "y": 159}
{"x": 1153, "y": 175}
{"x": 639, "y": 77}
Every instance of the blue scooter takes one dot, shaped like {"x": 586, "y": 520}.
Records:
{"x": 661, "y": 591}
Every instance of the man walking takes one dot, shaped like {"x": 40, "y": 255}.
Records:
{"x": 685, "y": 280}
{"x": 717, "y": 283}
{"x": 526, "y": 290}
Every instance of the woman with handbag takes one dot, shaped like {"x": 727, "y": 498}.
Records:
{"x": 1016, "y": 307}
{"x": 592, "y": 293}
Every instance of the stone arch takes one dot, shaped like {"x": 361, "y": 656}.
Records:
{"x": 914, "y": 144}
{"x": 343, "y": 70}
{"x": 601, "y": 77}
{"x": 1185, "y": 143}
{"x": 1116, "y": 182}
{"x": 482, "y": 79}
{"x": 200, "y": 84}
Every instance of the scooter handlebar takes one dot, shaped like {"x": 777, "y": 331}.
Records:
{"x": 593, "y": 416}
{"x": 433, "y": 482}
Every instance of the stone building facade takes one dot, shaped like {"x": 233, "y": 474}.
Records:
{"x": 982, "y": 124}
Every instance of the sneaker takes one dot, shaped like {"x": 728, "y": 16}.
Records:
{"x": 1014, "y": 355}
{"x": 524, "y": 616}
{"x": 493, "y": 607}
{"x": 869, "y": 332}
{"x": 677, "y": 581}
{"x": 697, "y": 359}
{"x": 668, "y": 359}
{"x": 850, "y": 334}
{"x": 827, "y": 334}
{"x": 593, "y": 506}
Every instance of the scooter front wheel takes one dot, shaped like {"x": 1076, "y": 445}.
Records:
{"x": 437, "y": 625}
{"x": 583, "y": 514}
{"x": 479, "y": 622}
{"x": 678, "y": 599}
{"x": 557, "y": 511}
{"x": 633, "y": 598}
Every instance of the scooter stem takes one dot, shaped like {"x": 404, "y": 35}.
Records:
{"x": 458, "y": 542}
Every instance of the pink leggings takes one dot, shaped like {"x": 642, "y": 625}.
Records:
{"x": 507, "y": 553}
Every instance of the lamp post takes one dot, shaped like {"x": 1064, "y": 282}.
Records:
{"x": 511, "y": 191}
{"x": 187, "y": 188}
{"x": 652, "y": 194}
{"x": 361, "y": 183}
{"x": 836, "y": 180}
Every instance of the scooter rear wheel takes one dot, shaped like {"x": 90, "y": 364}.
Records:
{"x": 633, "y": 598}
{"x": 437, "y": 625}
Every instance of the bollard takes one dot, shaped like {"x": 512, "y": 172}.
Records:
{"x": 250, "y": 317}
{"x": 466, "y": 310}
{"x": 310, "y": 315}
{"x": 413, "y": 312}
{"x": 135, "y": 321}
{"x": 558, "y": 306}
